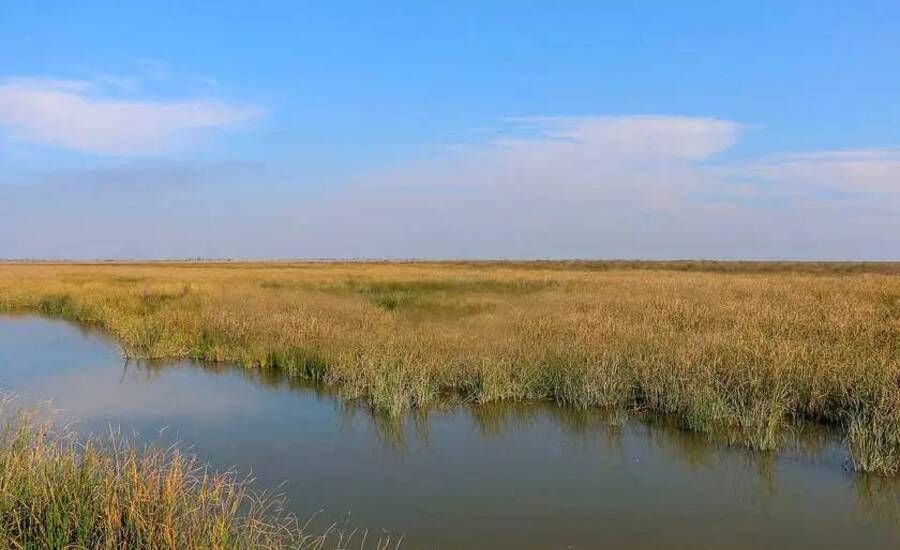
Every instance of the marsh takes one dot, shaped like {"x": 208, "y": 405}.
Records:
{"x": 457, "y": 416}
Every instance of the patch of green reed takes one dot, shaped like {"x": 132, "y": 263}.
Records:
{"x": 426, "y": 294}
{"x": 127, "y": 280}
{"x": 873, "y": 432}
{"x": 281, "y": 285}
{"x": 302, "y": 363}
{"x": 58, "y": 305}
{"x": 152, "y": 300}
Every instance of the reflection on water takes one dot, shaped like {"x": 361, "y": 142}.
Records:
{"x": 497, "y": 475}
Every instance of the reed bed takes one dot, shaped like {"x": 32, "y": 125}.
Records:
{"x": 60, "y": 492}
{"x": 739, "y": 351}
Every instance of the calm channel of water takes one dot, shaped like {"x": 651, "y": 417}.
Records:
{"x": 510, "y": 476}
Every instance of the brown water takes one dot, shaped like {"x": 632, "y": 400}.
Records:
{"x": 510, "y": 476}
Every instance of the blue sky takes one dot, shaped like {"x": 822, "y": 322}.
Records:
{"x": 482, "y": 129}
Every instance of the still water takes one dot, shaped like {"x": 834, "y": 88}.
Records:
{"x": 507, "y": 476}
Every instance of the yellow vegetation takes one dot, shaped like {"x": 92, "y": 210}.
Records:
{"x": 739, "y": 350}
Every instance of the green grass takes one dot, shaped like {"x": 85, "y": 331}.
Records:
{"x": 439, "y": 298}
{"x": 59, "y": 492}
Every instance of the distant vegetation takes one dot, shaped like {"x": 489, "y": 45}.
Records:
{"x": 739, "y": 351}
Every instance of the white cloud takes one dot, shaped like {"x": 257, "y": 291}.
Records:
{"x": 66, "y": 115}
{"x": 652, "y": 161}
{"x": 590, "y": 187}
{"x": 641, "y": 163}
{"x": 631, "y": 186}
{"x": 867, "y": 171}
{"x": 635, "y": 137}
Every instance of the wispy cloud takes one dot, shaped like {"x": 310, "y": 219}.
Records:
{"x": 633, "y": 137}
{"x": 851, "y": 171}
{"x": 72, "y": 115}
{"x": 645, "y": 159}
{"x": 626, "y": 187}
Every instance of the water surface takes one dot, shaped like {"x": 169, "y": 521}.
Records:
{"x": 514, "y": 476}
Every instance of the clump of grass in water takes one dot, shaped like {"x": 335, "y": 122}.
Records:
{"x": 58, "y": 305}
{"x": 56, "y": 492}
{"x": 873, "y": 435}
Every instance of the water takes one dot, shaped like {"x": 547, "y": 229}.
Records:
{"x": 523, "y": 476}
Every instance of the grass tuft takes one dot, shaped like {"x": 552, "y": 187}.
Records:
{"x": 58, "y": 492}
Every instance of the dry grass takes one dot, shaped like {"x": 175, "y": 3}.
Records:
{"x": 736, "y": 350}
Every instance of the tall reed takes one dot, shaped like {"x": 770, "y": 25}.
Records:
{"x": 59, "y": 492}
